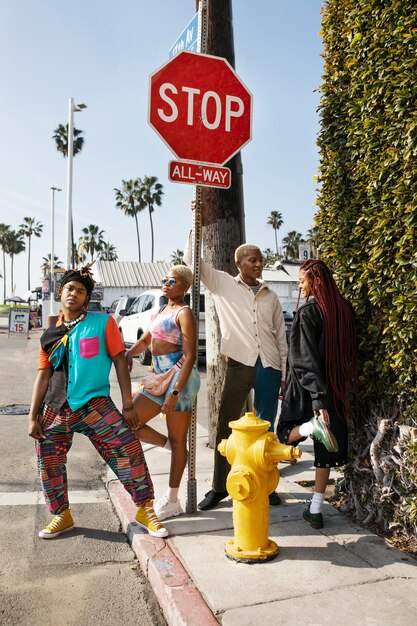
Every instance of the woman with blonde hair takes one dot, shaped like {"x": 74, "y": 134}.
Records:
{"x": 172, "y": 336}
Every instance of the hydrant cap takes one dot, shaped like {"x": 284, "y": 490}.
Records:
{"x": 249, "y": 421}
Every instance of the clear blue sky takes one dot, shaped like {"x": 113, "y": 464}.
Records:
{"x": 101, "y": 53}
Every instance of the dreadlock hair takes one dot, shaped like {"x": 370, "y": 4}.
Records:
{"x": 339, "y": 320}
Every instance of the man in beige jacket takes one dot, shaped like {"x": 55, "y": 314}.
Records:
{"x": 254, "y": 342}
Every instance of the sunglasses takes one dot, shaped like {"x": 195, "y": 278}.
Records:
{"x": 168, "y": 281}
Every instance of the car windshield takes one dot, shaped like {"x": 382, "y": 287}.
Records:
{"x": 94, "y": 306}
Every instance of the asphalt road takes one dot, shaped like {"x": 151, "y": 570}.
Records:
{"x": 86, "y": 576}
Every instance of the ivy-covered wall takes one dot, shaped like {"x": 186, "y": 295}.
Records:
{"x": 368, "y": 224}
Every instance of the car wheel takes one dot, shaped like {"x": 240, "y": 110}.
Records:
{"x": 145, "y": 357}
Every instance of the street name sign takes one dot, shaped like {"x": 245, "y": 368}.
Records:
{"x": 200, "y": 108}
{"x": 188, "y": 40}
{"x": 199, "y": 174}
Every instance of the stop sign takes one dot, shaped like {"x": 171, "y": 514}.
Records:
{"x": 200, "y": 108}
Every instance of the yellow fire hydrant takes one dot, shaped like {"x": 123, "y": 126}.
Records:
{"x": 253, "y": 454}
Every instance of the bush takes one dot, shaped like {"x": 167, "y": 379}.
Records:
{"x": 368, "y": 224}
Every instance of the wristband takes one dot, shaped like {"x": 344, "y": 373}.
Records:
{"x": 175, "y": 393}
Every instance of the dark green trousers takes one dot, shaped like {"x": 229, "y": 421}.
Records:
{"x": 238, "y": 382}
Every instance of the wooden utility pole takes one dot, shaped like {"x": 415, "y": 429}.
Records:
{"x": 222, "y": 215}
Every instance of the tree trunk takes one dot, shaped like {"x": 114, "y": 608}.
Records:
{"x": 4, "y": 277}
{"x": 11, "y": 272}
{"x": 223, "y": 217}
{"x": 137, "y": 233}
{"x": 29, "y": 263}
{"x": 150, "y": 218}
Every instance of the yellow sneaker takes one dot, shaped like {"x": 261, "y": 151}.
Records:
{"x": 61, "y": 523}
{"x": 146, "y": 517}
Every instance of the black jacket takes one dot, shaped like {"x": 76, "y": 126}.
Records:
{"x": 306, "y": 389}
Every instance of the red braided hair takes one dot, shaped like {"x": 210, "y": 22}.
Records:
{"x": 339, "y": 320}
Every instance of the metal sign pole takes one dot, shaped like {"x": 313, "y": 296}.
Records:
{"x": 191, "y": 502}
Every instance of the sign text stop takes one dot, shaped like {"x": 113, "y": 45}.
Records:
{"x": 200, "y": 108}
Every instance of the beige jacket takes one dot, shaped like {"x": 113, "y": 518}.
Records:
{"x": 250, "y": 325}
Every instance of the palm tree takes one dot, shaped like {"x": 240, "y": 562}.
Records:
{"x": 92, "y": 239}
{"x": 14, "y": 245}
{"x": 130, "y": 201}
{"x": 269, "y": 257}
{"x": 29, "y": 228}
{"x": 61, "y": 140}
{"x": 4, "y": 233}
{"x": 46, "y": 265}
{"x": 177, "y": 257}
{"x": 291, "y": 243}
{"x": 79, "y": 252}
{"x": 151, "y": 192}
{"x": 276, "y": 221}
{"x": 108, "y": 252}
{"x": 313, "y": 238}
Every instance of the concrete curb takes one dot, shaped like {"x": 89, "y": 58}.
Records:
{"x": 181, "y": 602}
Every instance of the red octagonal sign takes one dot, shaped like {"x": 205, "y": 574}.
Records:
{"x": 200, "y": 108}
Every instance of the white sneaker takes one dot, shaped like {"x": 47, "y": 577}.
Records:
{"x": 164, "y": 508}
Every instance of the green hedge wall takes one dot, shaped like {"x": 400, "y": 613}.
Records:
{"x": 367, "y": 193}
{"x": 368, "y": 175}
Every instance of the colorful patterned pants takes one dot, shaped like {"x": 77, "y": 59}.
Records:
{"x": 111, "y": 436}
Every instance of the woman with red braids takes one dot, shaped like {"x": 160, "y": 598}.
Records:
{"x": 321, "y": 373}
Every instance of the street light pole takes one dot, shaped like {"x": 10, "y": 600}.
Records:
{"x": 70, "y": 149}
{"x": 52, "y": 282}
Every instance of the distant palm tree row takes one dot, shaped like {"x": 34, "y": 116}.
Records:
{"x": 135, "y": 196}
{"x": 12, "y": 243}
{"x": 290, "y": 242}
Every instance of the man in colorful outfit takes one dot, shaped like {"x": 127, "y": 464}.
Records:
{"x": 254, "y": 342}
{"x": 71, "y": 394}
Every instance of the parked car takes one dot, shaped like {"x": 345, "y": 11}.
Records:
{"x": 136, "y": 320}
{"x": 95, "y": 306}
{"x": 122, "y": 303}
{"x": 289, "y": 308}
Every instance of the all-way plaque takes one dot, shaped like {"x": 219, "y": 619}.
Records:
{"x": 199, "y": 174}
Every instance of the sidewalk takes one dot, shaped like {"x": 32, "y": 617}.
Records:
{"x": 342, "y": 574}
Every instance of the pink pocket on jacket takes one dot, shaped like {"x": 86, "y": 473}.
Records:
{"x": 89, "y": 347}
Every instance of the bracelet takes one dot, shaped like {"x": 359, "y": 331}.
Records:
{"x": 128, "y": 408}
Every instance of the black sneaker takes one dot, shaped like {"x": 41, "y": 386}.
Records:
{"x": 274, "y": 499}
{"x": 314, "y": 519}
{"x": 211, "y": 499}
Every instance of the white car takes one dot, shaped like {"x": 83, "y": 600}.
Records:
{"x": 124, "y": 302}
{"x": 136, "y": 320}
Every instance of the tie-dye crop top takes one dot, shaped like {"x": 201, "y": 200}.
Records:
{"x": 165, "y": 326}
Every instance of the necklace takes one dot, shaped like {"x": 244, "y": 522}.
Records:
{"x": 72, "y": 323}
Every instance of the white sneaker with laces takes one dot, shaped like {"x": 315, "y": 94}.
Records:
{"x": 164, "y": 508}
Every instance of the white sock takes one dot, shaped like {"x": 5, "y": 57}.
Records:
{"x": 316, "y": 503}
{"x": 167, "y": 446}
{"x": 172, "y": 494}
{"x": 306, "y": 429}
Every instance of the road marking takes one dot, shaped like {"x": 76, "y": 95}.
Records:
{"x": 18, "y": 498}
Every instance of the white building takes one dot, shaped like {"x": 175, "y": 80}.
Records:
{"x": 129, "y": 278}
